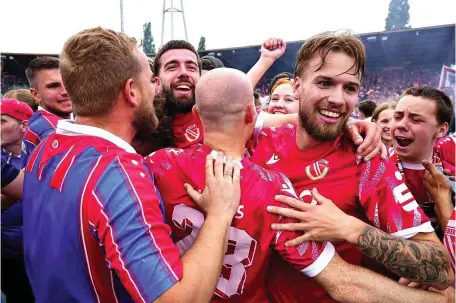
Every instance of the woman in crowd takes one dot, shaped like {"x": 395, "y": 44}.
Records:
{"x": 281, "y": 92}
{"x": 23, "y": 95}
{"x": 382, "y": 116}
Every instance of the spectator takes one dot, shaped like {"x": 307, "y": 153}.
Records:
{"x": 282, "y": 98}
{"x": 209, "y": 63}
{"x": 382, "y": 116}
{"x": 366, "y": 108}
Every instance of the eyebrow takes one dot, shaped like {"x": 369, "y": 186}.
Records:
{"x": 330, "y": 79}
{"x": 54, "y": 83}
{"x": 177, "y": 62}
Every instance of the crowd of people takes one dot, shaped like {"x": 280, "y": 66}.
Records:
{"x": 167, "y": 180}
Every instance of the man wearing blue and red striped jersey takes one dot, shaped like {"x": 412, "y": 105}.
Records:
{"x": 93, "y": 222}
{"x": 54, "y": 103}
{"x": 251, "y": 242}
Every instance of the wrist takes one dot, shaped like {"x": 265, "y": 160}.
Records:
{"x": 353, "y": 229}
{"x": 219, "y": 218}
{"x": 267, "y": 61}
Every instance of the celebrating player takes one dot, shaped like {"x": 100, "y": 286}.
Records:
{"x": 93, "y": 222}
{"x": 315, "y": 154}
{"x": 54, "y": 103}
{"x": 227, "y": 128}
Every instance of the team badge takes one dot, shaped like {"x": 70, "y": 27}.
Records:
{"x": 317, "y": 170}
{"x": 192, "y": 133}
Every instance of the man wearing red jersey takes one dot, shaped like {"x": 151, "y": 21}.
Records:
{"x": 227, "y": 128}
{"x": 178, "y": 67}
{"x": 315, "y": 154}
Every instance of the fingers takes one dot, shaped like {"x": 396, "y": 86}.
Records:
{"x": 286, "y": 212}
{"x": 404, "y": 281}
{"x": 319, "y": 198}
{"x": 430, "y": 168}
{"x": 290, "y": 226}
{"x": 228, "y": 172}
{"x": 353, "y": 133}
{"x": 294, "y": 203}
{"x": 209, "y": 168}
{"x": 195, "y": 195}
{"x": 384, "y": 152}
{"x": 370, "y": 146}
{"x": 299, "y": 240}
{"x": 218, "y": 166}
{"x": 237, "y": 175}
{"x": 273, "y": 44}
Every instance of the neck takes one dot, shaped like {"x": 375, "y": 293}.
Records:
{"x": 59, "y": 114}
{"x": 14, "y": 148}
{"x": 111, "y": 124}
{"x": 229, "y": 144}
{"x": 418, "y": 159}
{"x": 388, "y": 143}
{"x": 304, "y": 140}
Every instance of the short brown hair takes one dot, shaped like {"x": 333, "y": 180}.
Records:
{"x": 346, "y": 42}
{"x": 367, "y": 107}
{"x": 38, "y": 64}
{"x": 444, "y": 112}
{"x": 23, "y": 95}
{"x": 382, "y": 107}
{"x": 95, "y": 64}
{"x": 174, "y": 44}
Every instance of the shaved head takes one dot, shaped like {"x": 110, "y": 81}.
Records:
{"x": 223, "y": 96}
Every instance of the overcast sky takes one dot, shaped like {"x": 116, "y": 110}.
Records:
{"x": 42, "y": 26}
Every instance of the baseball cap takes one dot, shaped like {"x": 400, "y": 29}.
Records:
{"x": 283, "y": 75}
{"x": 17, "y": 109}
{"x": 210, "y": 63}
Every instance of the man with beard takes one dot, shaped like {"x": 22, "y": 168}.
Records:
{"x": 178, "y": 67}
{"x": 54, "y": 103}
{"x": 316, "y": 155}
{"x": 93, "y": 223}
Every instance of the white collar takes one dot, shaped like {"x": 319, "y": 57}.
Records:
{"x": 413, "y": 166}
{"x": 69, "y": 128}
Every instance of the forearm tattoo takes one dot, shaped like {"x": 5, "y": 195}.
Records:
{"x": 416, "y": 261}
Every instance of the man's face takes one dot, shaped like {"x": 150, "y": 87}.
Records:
{"x": 12, "y": 130}
{"x": 415, "y": 128}
{"x": 179, "y": 73}
{"x": 50, "y": 92}
{"x": 328, "y": 96}
{"x": 145, "y": 120}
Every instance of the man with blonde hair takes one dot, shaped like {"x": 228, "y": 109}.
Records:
{"x": 93, "y": 221}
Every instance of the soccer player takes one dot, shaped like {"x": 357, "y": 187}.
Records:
{"x": 14, "y": 119}
{"x": 328, "y": 72}
{"x": 178, "y": 67}
{"x": 52, "y": 98}
{"x": 227, "y": 128}
{"x": 422, "y": 117}
{"x": 93, "y": 222}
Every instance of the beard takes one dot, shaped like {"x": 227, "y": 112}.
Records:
{"x": 145, "y": 121}
{"x": 181, "y": 105}
{"x": 318, "y": 130}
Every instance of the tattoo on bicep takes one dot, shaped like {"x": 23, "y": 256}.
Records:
{"x": 416, "y": 261}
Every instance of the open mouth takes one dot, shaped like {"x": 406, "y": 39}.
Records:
{"x": 65, "y": 103}
{"x": 279, "y": 112}
{"x": 183, "y": 88}
{"x": 329, "y": 114}
{"x": 402, "y": 141}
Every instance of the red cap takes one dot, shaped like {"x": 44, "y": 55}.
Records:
{"x": 17, "y": 109}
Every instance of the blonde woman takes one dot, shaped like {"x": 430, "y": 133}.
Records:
{"x": 382, "y": 116}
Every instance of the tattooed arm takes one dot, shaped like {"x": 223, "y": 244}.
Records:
{"x": 421, "y": 258}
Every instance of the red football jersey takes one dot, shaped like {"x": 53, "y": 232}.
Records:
{"x": 186, "y": 131}
{"x": 445, "y": 150}
{"x": 251, "y": 239}
{"x": 372, "y": 191}
{"x": 450, "y": 233}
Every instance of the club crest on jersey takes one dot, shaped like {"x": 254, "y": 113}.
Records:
{"x": 317, "y": 170}
{"x": 192, "y": 133}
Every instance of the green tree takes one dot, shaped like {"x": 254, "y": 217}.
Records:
{"x": 202, "y": 44}
{"x": 398, "y": 15}
{"x": 148, "y": 41}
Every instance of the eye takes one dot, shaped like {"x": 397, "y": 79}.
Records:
{"x": 351, "y": 89}
{"x": 324, "y": 84}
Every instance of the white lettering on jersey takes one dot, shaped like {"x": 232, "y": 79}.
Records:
{"x": 402, "y": 194}
{"x": 307, "y": 193}
{"x": 238, "y": 256}
{"x": 175, "y": 151}
{"x": 274, "y": 159}
{"x": 239, "y": 213}
{"x": 288, "y": 187}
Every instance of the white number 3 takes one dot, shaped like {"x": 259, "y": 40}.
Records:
{"x": 239, "y": 255}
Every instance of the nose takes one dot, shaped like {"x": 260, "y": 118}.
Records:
{"x": 63, "y": 91}
{"x": 336, "y": 96}
{"x": 402, "y": 124}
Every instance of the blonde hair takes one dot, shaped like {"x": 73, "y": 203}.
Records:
{"x": 95, "y": 65}
{"x": 23, "y": 95}
{"x": 382, "y": 107}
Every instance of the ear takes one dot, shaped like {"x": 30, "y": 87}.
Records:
{"x": 442, "y": 130}
{"x": 297, "y": 88}
{"x": 250, "y": 114}
{"x": 157, "y": 85}
{"x": 23, "y": 126}
{"x": 131, "y": 92}
{"x": 35, "y": 95}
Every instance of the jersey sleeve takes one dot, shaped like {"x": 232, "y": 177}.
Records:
{"x": 9, "y": 171}
{"x": 310, "y": 257}
{"x": 449, "y": 238}
{"x": 387, "y": 201}
{"x": 126, "y": 213}
{"x": 445, "y": 150}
